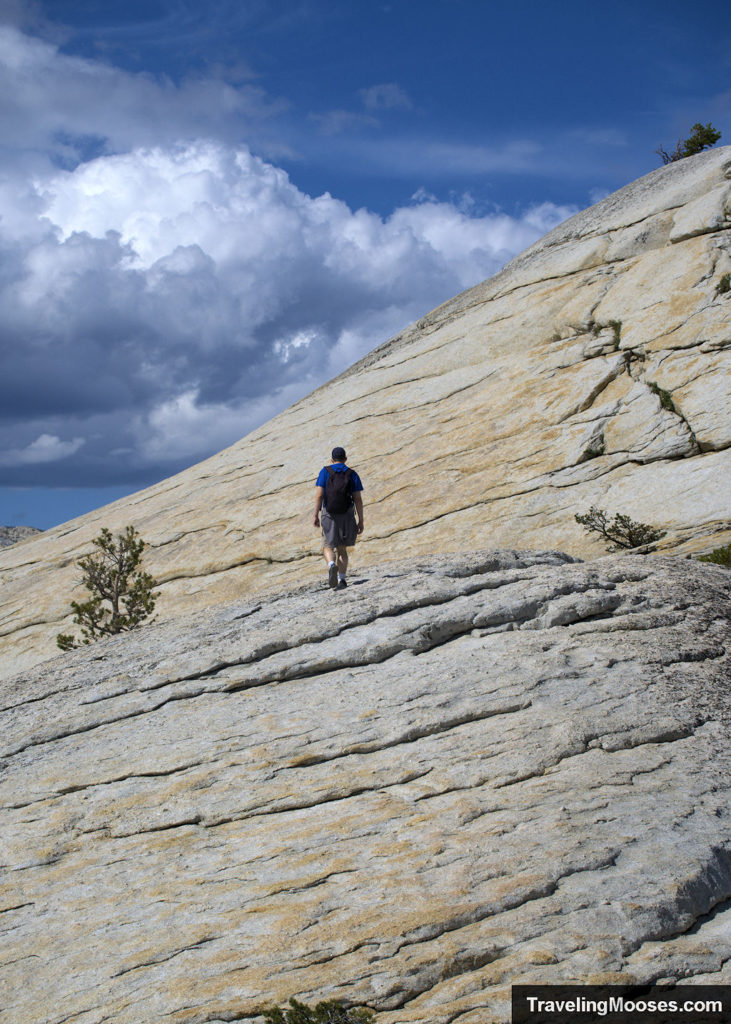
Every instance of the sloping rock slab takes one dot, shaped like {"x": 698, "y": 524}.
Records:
{"x": 594, "y": 369}
{"x": 454, "y": 776}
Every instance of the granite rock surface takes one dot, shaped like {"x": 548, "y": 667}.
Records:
{"x": 460, "y": 773}
{"x": 14, "y": 534}
{"x": 592, "y": 370}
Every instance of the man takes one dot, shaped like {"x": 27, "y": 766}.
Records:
{"x": 340, "y": 487}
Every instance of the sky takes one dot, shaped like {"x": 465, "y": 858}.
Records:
{"x": 206, "y": 211}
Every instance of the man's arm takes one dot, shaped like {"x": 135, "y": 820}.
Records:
{"x": 319, "y": 495}
{"x": 358, "y": 501}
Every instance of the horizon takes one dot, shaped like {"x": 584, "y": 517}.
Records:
{"x": 204, "y": 216}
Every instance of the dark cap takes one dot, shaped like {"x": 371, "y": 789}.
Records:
{"x": 338, "y": 455}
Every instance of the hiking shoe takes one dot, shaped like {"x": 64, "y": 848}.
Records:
{"x": 342, "y": 584}
{"x": 332, "y": 576}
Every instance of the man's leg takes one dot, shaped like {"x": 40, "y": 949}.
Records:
{"x": 342, "y": 567}
{"x": 342, "y": 560}
{"x": 332, "y": 566}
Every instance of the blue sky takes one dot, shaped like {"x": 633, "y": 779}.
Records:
{"x": 207, "y": 211}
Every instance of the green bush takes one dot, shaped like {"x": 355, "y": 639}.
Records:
{"x": 720, "y": 556}
{"x": 595, "y": 328}
{"x": 330, "y": 1012}
{"x": 616, "y": 326}
{"x": 702, "y": 136}
{"x": 621, "y": 532}
{"x": 595, "y": 449}
{"x": 120, "y": 597}
{"x": 724, "y": 285}
{"x": 666, "y": 399}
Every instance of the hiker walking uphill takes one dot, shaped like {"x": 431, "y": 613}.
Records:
{"x": 337, "y": 500}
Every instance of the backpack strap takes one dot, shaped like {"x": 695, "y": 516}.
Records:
{"x": 331, "y": 472}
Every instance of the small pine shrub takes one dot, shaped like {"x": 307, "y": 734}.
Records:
{"x": 724, "y": 285}
{"x": 702, "y": 136}
{"x": 620, "y": 532}
{"x": 595, "y": 449}
{"x": 330, "y": 1012}
{"x": 720, "y": 556}
{"x": 120, "y": 597}
{"x": 595, "y": 329}
{"x": 666, "y": 399}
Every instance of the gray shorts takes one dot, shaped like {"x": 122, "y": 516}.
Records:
{"x": 339, "y": 529}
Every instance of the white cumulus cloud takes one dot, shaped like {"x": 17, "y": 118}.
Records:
{"x": 62, "y": 104}
{"x": 164, "y": 290}
{"x": 45, "y": 448}
{"x": 171, "y": 298}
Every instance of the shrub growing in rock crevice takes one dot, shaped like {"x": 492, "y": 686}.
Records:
{"x": 596, "y": 447}
{"x": 330, "y": 1012}
{"x": 719, "y": 556}
{"x": 595, "y": 328}
{"x": 666, "y": 399}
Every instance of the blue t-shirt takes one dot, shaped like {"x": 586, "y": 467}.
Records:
{"x": 339, "y": 467}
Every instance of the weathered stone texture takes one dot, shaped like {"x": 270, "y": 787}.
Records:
{"x": 455, "y": 775}
{"x": 14, "y": 534}
{"x": 517, "y": 404}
